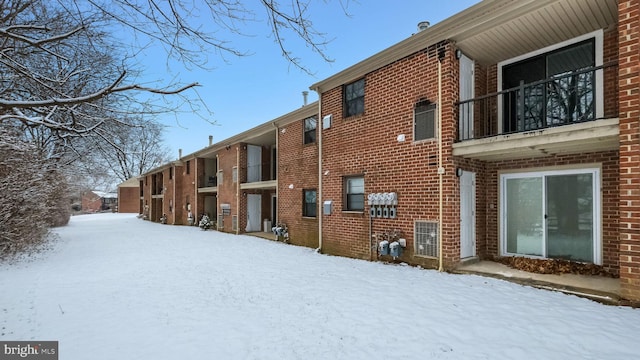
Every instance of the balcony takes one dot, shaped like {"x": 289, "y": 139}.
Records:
{"x": 573, "y": 112}
{"x": 260, "y": 176}
{"x": 208, "y": 183}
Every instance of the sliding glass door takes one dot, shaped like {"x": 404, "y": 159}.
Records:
{"x": 553, "y": 214}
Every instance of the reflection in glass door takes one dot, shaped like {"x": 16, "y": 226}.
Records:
{"x": 552, "y": 214}
{"x": 524, "y": 216}
{"x": 569, "y": 215}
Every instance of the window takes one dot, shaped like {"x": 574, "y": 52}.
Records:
{"x": 309, "y": 203}
{"x": 424, "y": 120}
{"x": 170, "y": 173}
{"x": 310, "y": 130}
{"x": 353, "y": 193}
{"x": 234, "y": 174}
{"x": 220, "y": 177}
{"x": 188, "y": 167}
{"x": 354, "y": 98}
{"x": 234, "y": 222}
{"x": 553, "y": 86}
{"x": 426, "y": 238}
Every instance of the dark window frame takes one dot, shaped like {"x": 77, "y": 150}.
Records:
{"x": 539, "y": 68}
{"x": 352, "y": 201}
{"x": 309, "y": 209}
{"x": 309, "y": 134}
{"x": 353, "y": 99}
{"x": 188, "y": 167}
{"x": 425, "y": 121}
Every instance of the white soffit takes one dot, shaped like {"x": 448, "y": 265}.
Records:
{"x": 539, "y": 28}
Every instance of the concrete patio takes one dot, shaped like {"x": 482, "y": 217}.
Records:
{"x": 598, "y": 288}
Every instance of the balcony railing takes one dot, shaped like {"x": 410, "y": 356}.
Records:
{"x": 208, "y": 181}
{"x": 560, "y": 100}
{"x": 261, "y": 172}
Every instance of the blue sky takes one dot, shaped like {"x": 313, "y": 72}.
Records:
{"x": 243, "y": 92}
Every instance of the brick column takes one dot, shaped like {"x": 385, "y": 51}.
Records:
{"x": 629, "y": 110}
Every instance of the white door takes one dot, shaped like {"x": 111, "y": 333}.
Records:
{"x": 466, "y": 93}
{"x": 254, "y": 163}
{"x": 254, "y": 203}
{"x": 467, "y": 214}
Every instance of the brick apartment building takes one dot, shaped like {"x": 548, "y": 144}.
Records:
{"x": 96, "y": 201}
{"x": 235, "y": 182}
{"x": 509, "y": 129}
{"x": 130, "y": 193}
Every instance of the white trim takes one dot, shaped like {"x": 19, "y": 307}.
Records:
{"x": 597, "y": 208}
{"x": 598, "y": 35}
{"x": 470, "y": 223}
{"x": 464, "y": 60}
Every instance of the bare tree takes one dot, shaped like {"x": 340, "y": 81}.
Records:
{"x": 33, "y": 197}
{"x": 125, "y": 149}
{"x": 65, "y": 80}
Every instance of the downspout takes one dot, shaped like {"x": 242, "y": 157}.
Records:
{"x": 320, "y": 197}
{"x": 217, "y": 190}
{"x": 440, "y": 168}
{"x": 173, "y": 205}
{"x": 195, "y": 188}
{"x": 277, "y": 214}
{"x": 237, "y": 191}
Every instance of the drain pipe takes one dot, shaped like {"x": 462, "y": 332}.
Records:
{"x": 276, "y": 216}
{"x": 440, "y": 168}
{"x": 321, "y": 212}
{"x": 237, "y": 190}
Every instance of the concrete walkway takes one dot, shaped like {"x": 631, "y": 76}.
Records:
{"x": 598, "y": 288}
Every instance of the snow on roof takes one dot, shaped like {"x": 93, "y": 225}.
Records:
{"x": 133, "y": 182}
{"x": 105, "y": 195}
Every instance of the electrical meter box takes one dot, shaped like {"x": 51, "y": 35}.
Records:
{"x": 327, "y": 207}
{"x": 395, "y": 249}
{"x": 384, "y": 247}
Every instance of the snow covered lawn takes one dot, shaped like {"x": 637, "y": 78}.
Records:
{"x": 117, "y": 287}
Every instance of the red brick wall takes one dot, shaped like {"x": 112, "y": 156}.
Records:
{"x": 146, "y": 206}
{"x": 367, "y": 144}
{"x": 185, "y": 193}
{"x": 227, "y": 190}
{"x": 168, "y": 196}
{"x": 297, "y": 166}
{"x": 182, "y": 187}
{"x": 129, "y": 200}
{"x": 629, "y": 103}
{"x": 91, "y": 202}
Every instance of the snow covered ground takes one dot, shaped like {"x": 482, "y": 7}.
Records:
{"x": 117, "y": 287}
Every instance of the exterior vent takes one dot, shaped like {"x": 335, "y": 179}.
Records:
{"x": 426, "y": 238}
